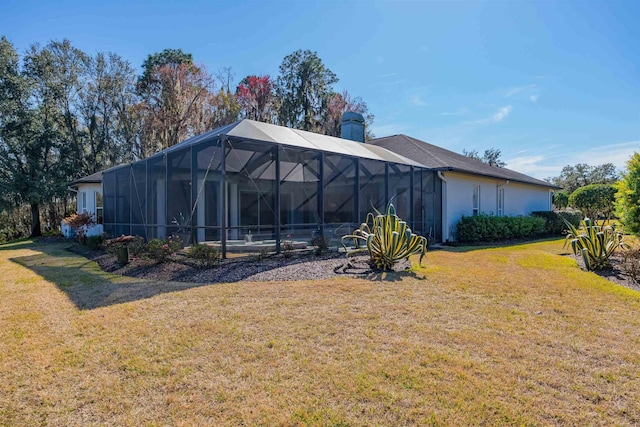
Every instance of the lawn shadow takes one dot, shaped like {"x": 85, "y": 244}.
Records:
{"x": 494, "y": 245}
{"x": 86, "y": 285}
{"x": 358, "y": 270}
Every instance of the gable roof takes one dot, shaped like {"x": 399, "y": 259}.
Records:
{"x": 438, "y": 158}
{"x": 94, "y": 178}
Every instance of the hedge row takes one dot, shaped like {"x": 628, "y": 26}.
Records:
{"x": 554, "y": 220}
{"x": 487, "y": 228}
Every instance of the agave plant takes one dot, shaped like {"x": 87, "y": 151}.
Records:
{"x": 388, "y": 239}
{"x": 595, "y": 243}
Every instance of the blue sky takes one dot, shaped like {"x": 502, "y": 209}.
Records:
{"x": 549, "y": 83}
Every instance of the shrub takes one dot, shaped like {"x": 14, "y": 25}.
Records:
{"x": 594, "y": 200}
{"x": 488, "y": 228}
{"x": 388, "y": 239}
{"x": 94, "y": 242}
{"x": 628, "y": 196}
{"x": 204, "y": 255}
{"x": 560, "y": 199}
{"x": 136, "y": 246}
{"x": 162, "y": 250}
{"x": 555, "y": 221}
{"x": 631, "y": 263}
{"x": 80, "y": 223}
{"x": 320, "y": 245}
{"x": 595, "y": 243}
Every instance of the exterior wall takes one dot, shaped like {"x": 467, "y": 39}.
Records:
{"x": 90, "y": 191}
{"x": 519, "y": 199}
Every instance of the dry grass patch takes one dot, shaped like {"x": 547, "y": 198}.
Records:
{"x": 500, "y": 336}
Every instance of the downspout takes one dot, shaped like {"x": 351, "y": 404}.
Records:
{"x": 445, "y": 218}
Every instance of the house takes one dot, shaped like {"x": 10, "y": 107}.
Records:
{"x": 251, "y": 185}
{"x": 89, "y": 200}
{"x": 470, "y": 186}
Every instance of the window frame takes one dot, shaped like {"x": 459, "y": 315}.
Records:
{"x": 500, "y": 200}
{"x": 475, "y": 207}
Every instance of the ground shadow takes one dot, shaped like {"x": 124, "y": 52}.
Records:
{"x": 493, "y": 245}
{"x": 86, "y": 285}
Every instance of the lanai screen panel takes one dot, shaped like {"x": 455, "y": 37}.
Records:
{"x": 300, "y": 189}
{"x": 400, "y": 189}
{"x": 156, "y": 199}
{"x": 250, "y": 173}
{"x": 339, "y": 189}
{"x": 207, "y": 193}
{"x": 372, "y": 187}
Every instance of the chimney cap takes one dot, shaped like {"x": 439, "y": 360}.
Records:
{"x": 352, "y": 116}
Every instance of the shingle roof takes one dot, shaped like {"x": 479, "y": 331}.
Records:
{"x": 94, "y": 178}
{"x": 435, "y": 157}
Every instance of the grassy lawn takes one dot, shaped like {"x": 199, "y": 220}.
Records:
{"x": 501, "y": 336}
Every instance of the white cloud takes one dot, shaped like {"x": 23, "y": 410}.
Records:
{"x": 496, "y": 117}
{"x": 389, "y": 75}
{"x": 515, "y": 90}
{"x": 541, "y": 166}
{"x": 618, "y": 154}
{"x": 534, "y": 98}
{"x": 417, "y": 101}
{"x": 501, "y": 114}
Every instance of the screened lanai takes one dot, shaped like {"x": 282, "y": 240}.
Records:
{"x": 251, "y": 186}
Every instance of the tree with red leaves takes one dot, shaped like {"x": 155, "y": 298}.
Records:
{"x": 256, "y": 97}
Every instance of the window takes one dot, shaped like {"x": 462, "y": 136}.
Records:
{"x": 476, "y": 200}
{"x": 83, "y": 202}
{"x": 98, "y": 198}
{"x": 500, "y": 201}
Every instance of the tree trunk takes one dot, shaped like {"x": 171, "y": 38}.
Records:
{"x": 35, "y": 220}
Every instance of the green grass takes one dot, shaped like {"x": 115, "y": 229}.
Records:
{"x": 497, "y": 336}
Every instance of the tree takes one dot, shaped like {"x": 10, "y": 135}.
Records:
{"x": 573, "y": 177}
{"x": 594, "y": 200}
{"x": 174, "y": 102}
{"x": 628, "y": 196}
{"x": 256, "y": 97}
{"x": 490, "y": 157}
{"x": 337, "y": 105}
{"x": 168, "y": 57}
{"x": 303, "y": 89}
{"x": 30, "y": 139}
{"x": 560, "y": 199}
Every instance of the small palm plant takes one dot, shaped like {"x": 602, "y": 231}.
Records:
{"x": 388, "y": 239}
{"x": 595, "y": 243}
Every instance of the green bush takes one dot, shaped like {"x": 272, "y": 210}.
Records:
{"x": 560, "y": 199}
{"x": 555, "y": 221}
{"x": 162, "y": 250}
{"x": 596, "y": 244}
{"x": 204, "y": 255}
{"x": 594, "y": 200}
{"x": 94, "y": 242}
{"x": 628, "y": 196}
{"x": 488, "y": 228}
{"x": 388, "y": 239}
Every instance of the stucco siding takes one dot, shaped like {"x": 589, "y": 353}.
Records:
{"x": 90, "y": 191}
{"x": 519, "y": 199}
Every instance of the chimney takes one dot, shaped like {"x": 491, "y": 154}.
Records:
{"x": 352, "y": 126}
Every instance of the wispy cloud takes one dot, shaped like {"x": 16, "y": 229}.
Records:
{"x": 543, "y": 166}
{"x": 501, "y": 114}
{"x": 460, "y": 112}
{"x": 417, "y": 101}
{"x": 534, "y": 98}
{"x": 388, "y": 75}
{"x": 515, "y": 90}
